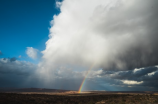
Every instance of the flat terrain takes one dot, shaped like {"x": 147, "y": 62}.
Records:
{"x": 72, "y": 97}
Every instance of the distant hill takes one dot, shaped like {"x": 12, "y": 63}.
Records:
{"x": 125, "y": 92}
{"x": 31, "y": 90}
{"x": 45, "y": 90}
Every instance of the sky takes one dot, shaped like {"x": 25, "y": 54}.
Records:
{"x": 106, "y": 45}
{"x": 25, "y": 23}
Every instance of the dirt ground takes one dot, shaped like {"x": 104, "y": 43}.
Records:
{"x": 78, "y": 98}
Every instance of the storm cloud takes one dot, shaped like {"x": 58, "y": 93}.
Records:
{"x": 0, "y": 52}
{"x": 17, "y": 73}
{"x": 112, "y": 34}
{"x": 108, "y": 35}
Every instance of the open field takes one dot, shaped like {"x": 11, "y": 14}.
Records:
{"x": 72, "y": 97}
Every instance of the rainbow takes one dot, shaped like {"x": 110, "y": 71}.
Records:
{"x": 83, "y": 82}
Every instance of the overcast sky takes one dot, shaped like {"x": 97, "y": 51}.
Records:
{"x": 52, "y": 44}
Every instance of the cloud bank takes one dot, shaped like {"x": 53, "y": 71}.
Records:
{"x": 22, "y": 74}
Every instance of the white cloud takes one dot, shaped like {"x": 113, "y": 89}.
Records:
{"x": 152, "y": 73}
{"x": 3, "y": 60}
{"x": 130, "y": 82}
{"x": 19, "y": 56}
{"x": 58, "y": 4}
{"x": 109, "y": 34}
{"x": 137, "y": 69}
{"x": 32, "y": 52}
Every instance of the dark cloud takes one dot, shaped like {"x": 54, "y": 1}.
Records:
{"x": 14, "y": 73}
{"x": 16, "y": 67}
{"x": 1, "y": 53}
{"x": 13, "y": 59}
{"x": 147, "y": 75}
{"x": 24, "y": 74}
{"x": 143, "y": 51}
{"x": 132, "y": 74}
